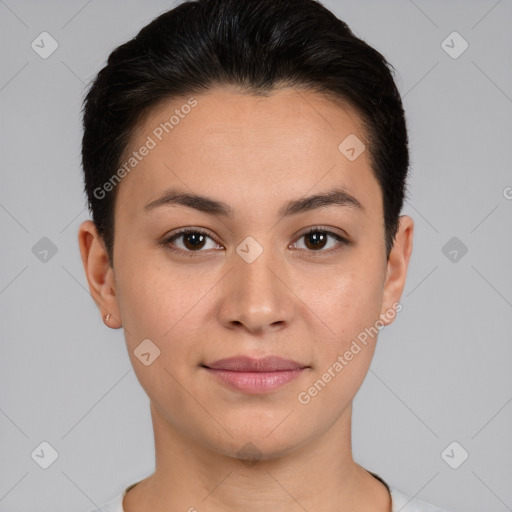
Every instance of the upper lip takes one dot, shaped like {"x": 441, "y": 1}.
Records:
{"x": 249, "y": 364}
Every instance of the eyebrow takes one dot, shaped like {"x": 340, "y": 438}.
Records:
{"x": 176, "y": 197}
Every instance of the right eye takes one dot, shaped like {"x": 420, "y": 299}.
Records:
{"x": 193, "y": 241}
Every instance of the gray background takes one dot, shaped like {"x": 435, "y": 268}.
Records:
{"x": 441, "y": 372}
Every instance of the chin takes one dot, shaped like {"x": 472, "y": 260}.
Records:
{"x": 257, "y": 443}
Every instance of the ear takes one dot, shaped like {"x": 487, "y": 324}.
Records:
{"x": 397, "y": 265}
{"x": 100, "y": 275}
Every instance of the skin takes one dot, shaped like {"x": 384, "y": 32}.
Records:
{"x": 306, "y": 304}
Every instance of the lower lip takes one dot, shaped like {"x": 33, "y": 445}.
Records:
{"x": 256, "y": 382}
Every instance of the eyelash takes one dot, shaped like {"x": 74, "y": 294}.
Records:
{"x": 167, "y": 242}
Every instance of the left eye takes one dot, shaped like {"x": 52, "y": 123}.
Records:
{"x": 316, "y": 239}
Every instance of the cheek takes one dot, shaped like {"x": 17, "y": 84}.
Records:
{"x": 170, "y": 308}
{"x": 346, "y": 302}
{"x": 159, "y": 307}
{"x": 349, "y": 308}
{"x": 154, "y": 298}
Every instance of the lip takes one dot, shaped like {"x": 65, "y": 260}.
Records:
{"x": 250, "y": 364}
{"x": 254, "y": 376}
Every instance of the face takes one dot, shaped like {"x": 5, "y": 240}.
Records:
{"x": 261, "y": 272}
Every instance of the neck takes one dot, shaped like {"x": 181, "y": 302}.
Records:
{"x": 321, "y": 475}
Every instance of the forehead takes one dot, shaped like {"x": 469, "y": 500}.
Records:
{"x": 249, "y": 118}
{"x": 245, "y": 145}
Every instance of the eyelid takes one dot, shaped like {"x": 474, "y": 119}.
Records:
{"x": 342, "y": 240}
{"x": 324, "y": 229}
{"x": 166, "y": 241}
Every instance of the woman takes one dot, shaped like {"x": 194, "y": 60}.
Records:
{"x": 245, "y": 165}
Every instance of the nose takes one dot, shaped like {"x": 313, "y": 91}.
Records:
{"x": 256, "y": 297}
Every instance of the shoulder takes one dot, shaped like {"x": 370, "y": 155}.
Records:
{"x": 403, "y": 503}
{"x": 114, "y": 505}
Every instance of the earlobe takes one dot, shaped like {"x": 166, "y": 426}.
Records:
{"x": 397, "y": 266}
{"x": 99, "y": 273}
{"x": 111, "y": 322}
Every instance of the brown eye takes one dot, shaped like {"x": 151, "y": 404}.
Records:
{"x": 317, "y": 239}
{"x": 192, "y": 241}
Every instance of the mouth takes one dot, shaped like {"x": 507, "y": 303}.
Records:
{"x": 255, "y": 376}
